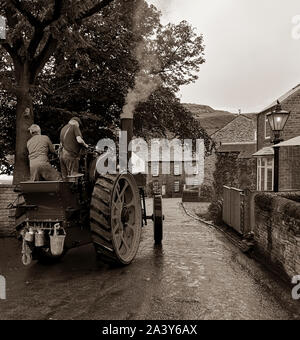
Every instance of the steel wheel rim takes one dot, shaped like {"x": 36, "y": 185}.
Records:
{"x": 126, "y": 218}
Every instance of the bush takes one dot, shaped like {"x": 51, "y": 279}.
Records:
{"x": 265, "y": 202}
{"x": 206, "y": 193}
{"x": 291, "y": 210}
{"x": 293, "y": 197}
{"x": 289, "y": 207}
{"x": 226, "y": 172}
{"x": 216, "y": 211}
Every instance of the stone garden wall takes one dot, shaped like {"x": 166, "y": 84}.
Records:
{"x": 7, "y": 196}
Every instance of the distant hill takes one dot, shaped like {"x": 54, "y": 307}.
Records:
{"x": 210, "y": 119}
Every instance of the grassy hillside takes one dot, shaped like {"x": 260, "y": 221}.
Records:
{"x": 211, "y": 120}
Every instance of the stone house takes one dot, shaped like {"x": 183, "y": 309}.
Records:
{"x": 239, "y": 138}
{"x": 272, "y": 218}
{"x": 169, "y": 170}
{"x": 289, "y": 173}
{"x": 173, "y": 184}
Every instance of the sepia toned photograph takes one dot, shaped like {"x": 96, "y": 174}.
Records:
{"x": 149, "y": 163}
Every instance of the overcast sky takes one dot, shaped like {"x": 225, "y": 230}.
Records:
{"x": 251, "y": 55}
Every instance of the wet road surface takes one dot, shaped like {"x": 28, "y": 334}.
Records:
{"x": 197, "y": 274}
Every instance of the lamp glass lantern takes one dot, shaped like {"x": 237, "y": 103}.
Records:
{"x": 277, "y": 120}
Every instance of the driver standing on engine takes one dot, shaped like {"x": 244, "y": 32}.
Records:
{"x": 39, "y": 147}
{"x": 71, "y": 142}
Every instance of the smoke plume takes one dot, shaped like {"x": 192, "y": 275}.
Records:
{"x": 147, "y": 80}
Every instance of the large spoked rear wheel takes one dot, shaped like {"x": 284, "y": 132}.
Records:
{"x": 158, "y": 219}
{"x": 116, "y": 218}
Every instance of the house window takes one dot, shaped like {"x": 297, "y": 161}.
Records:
{"x": 176, "y": 186}
{"x": 177, "y": 169}
{"x": 156, "y": 187}
{"x": 267, "y": 129}
{"x": 265, "y": 173}
{"x": 155, "y": 170}
{"x": 196, "y": 181}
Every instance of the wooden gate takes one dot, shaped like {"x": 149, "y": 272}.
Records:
{"x": 233, "y": 208}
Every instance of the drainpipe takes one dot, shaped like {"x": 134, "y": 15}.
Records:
{"x": 276, "y": 168}
{"x": 276, "y": 148}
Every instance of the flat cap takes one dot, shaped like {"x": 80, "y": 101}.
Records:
{"x": 77, "y": 120}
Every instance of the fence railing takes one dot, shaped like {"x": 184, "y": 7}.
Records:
{"x": 233, "y": 208}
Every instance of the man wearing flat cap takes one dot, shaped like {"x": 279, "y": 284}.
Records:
{"x": 71, "y": 143}
{"x": 39, "y": 147}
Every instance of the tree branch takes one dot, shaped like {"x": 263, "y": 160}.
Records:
{"x": 39, "y": 32}
{"x": 39, "y": 62}
{"x": 97, "y": 8}
{"x": 58, "y": 5}
{"x": 10, "y": 14}
{"x": 18, "y": 5}
{"x": 12, "y": 22}
{"x": 35, "y": 41}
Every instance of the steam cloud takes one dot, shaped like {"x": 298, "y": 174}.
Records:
{"x": 146, "y": 81}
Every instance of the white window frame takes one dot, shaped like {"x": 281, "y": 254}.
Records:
{"x": 266, "y": 127}
{"x": 155, "y": 170}
{"x": 196, "y": 181}
{"x": 196, "y": 169}
{"x": 259, "y": 172}
{"x": 175, "y": 186}
{"x": 177, "y": 169}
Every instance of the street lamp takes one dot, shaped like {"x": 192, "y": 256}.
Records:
{"x": 277, "y": 120}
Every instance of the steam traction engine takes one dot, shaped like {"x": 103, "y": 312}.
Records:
{"x": 108, "y": 211}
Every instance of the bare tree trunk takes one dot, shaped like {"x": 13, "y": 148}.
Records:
{"x": 23, "y": 122}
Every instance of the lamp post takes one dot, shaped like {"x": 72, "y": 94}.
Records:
{"x": 277, "y": 120}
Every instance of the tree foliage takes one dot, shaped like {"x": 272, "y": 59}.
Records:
{"x": 35, "y": 30}
{"x": 82, "y": 62}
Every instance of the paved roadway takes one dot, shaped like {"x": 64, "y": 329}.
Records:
{"x": 197, "y": 274}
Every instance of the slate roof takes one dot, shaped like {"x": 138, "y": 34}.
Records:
{"x": 245, "y": 150}
{"x": 291, "y": 142}
{"x": 282, "y": 99}
{"x": 250, "y": 116}
{"x": 267, "y": 151}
